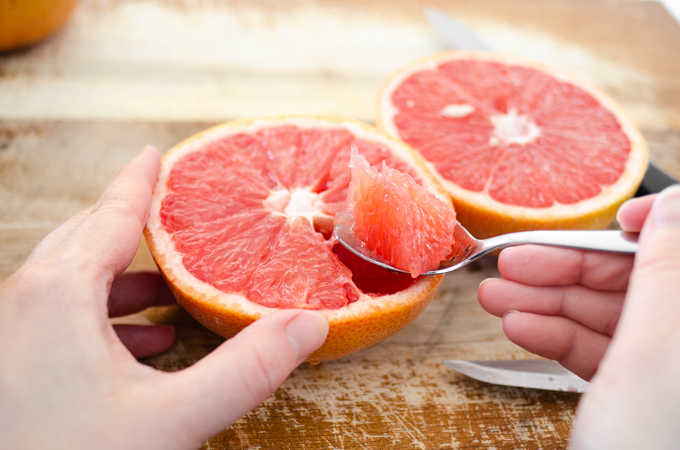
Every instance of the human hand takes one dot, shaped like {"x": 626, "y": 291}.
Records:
{"x": 67, "y": 379}
{"x": 564, "y": 304}
{"x": 634, "y": 400}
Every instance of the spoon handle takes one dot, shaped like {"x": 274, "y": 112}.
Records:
{"x": 601, "y": 240}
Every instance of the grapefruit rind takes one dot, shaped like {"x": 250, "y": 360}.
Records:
{"x": 26, "y": 23}
{"x": 351, "y": 328}
{"x": 484, "y": 216}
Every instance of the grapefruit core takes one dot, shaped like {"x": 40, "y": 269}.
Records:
{"x": 516, "y": 144}
{"x": 399, "y": 221}
{"x": 240, "y": 226}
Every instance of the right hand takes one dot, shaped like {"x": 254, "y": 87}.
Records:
{"x": 564, "y": 304}
{"x": 634, "y": 400}
{"x": 629, "y": 345}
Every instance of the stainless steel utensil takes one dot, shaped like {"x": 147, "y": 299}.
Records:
{"x": 527, "y": 373}
{"x": 469, "y": 249}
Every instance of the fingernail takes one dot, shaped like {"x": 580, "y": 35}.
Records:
{"x": 508, "y": 250}
{"x": 510, "y": 311}
{"x": 149, "y": 148}
{"x": 667, "y": 208}
{"x": 306, "y": 333}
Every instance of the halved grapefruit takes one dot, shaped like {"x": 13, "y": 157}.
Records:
{"x": 241, "y": 220}
{"x": 24, "y": 23}
{"x": 517, "y": 145}
{"x": 398, "y": 220}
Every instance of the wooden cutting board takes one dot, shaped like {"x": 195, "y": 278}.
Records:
{"x": 123, "y": 74}
{"x": 396, "y": 394}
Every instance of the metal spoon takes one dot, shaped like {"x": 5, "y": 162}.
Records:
{"x": 469, "y": 249}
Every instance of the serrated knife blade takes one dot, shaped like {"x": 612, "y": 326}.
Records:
{"x": 526, "y": 373}
{"x": 457, "y": 35}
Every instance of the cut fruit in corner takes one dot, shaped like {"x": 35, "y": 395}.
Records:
{"x": 517, "y": 145}
{"x": 241, "y": 221}
{"x": 398, "y": 220}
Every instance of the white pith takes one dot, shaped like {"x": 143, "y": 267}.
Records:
{"x": 296, "y": 203}
{"x": 635, "y": 165}
{"x": 513, "y": 128}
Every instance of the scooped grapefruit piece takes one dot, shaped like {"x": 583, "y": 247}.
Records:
{"x": 398, "y": 220}
{"x": 517, "y": 145}
{"x": 241, "y": 223}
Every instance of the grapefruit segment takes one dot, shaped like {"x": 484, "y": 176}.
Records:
{"x": 335, "y": 196}
{"x": 301, "y": 272}
{"x": 398, "y": 220}
{"x": 319, "y": 149}
{"x": 240, "y": 227}
{"x": 516, "y": 144}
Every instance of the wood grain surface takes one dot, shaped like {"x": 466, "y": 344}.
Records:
{"x": 127, "y": 73}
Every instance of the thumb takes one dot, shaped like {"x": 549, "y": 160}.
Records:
{"x": 243, "y": 371}
{"x": 633, "y": 401}
{"x": 653, "y": 292}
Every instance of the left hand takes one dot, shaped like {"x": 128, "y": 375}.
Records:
{"x": 67, "y": 379}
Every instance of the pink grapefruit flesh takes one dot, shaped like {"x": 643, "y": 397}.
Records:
{"x": 398, "y": 220}
{"x": 518, "y": 145}
{"x": 525, "y": 137}
{"x": 252, "y": 213}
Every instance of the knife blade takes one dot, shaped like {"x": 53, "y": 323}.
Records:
{"x": 457, "y": 35}
{"x": 453, "y": 32}
{"x": 525, "y": 373}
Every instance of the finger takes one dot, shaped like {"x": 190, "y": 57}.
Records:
{"x": 56, "y": 238}
{"x": 653, "y": 299}
{"x": 551, "y": 266}
{"x": 145, "y": 341}
{"x": 634, "y": 396}
{"x": 632, "y": 214}
{"x": 110, "y": 234}
{"x": 242, "y": 372}
{"x": 596, "y": 310}
{"x": 134, "y": 291}
{"x": 574, "y": 346}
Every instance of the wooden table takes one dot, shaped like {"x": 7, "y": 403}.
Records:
{"x": 74, "y": 110}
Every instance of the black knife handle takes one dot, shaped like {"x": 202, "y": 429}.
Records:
{"x": 655, "y": 180}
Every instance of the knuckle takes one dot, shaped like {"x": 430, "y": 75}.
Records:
{"x": 663, "y": 261}
{"x": 658, "y": 266}
{"x": 564, "y": 298}
{"x": 569, "y": 344}
{"x": 260, "y": 379}
{"x": 611, "y": 325}
{"x": 604, "y": 270}
{"x": 661, "y": 250}
{"x": 119, "y": 205}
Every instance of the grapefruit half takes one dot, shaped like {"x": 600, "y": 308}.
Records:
{"x": 517, "y": 145}
{"x": 241, "y": 220}
{"x": 24, "y": 23}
